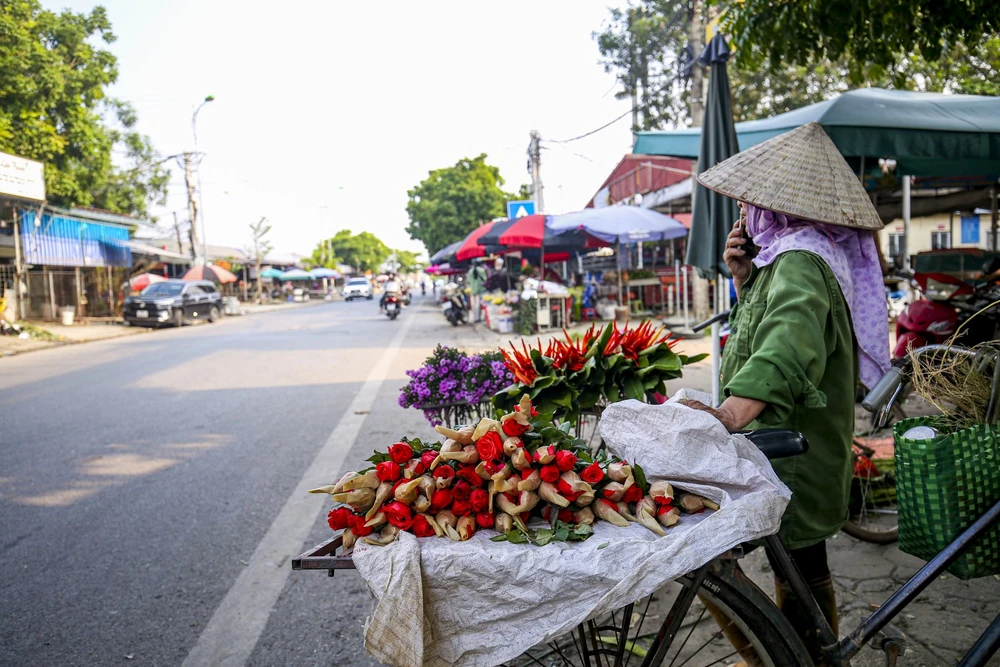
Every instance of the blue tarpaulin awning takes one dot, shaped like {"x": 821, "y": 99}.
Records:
{"x": 60, "y": 240}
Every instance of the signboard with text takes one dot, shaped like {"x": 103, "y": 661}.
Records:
{"x": 22, "y": 178}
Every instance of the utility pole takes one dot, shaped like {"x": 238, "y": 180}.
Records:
{"x": 177, "y": 230}
{"x": 192, "y": 205}
{"x": 535, "y": 165}
{"x": 697, "y": 76}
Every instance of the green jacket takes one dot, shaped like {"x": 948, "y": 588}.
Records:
{"x": 476, "y": 277}
{"x": 791, "y": 345}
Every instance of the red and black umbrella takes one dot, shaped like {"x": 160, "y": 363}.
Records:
{"x": 531, "y": 233}
{"x": 471, "y": 248}
{"x": 211, "y": 272}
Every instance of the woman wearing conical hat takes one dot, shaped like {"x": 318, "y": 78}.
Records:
{"x": 810, "y": 321}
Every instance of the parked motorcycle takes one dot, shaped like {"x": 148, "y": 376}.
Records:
{"x": 454, "y": 305}
{"x": 952, "y": 294}
{"x": 393, "y": 304}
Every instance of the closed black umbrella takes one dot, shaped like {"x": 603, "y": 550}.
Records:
{"x": 713, "y": 214}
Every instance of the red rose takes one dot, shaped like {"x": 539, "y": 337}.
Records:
{"x": 662, "y": 500}
{"x": 534, "y": 412}
{"x": 469, "y": 474}
{"x": 490, "y": 446}
{"x": 427, "y": 458}
{"x": 633, "y": 495}
{"x": 550, "y": 474}
{"x": 512, "y": 428}
{"x": 421, "y": 527}
{"x": 398, "y": 514}
{"x": 400, "y": 452}
{"x": 388, "y": 471}
{"x": 415, "y": 467}
{"x": 357, "y": 525}
{"x": 484, "y": 519}
{"x": 493, "y": 467}
{"x": 663, "y": 509}
{"x": 479, "y": 499}
{"x": 592, "y": 474}
{"x": 461, "y": 507}
{"x": 566, "y": 515}
{"x": 440, "y": 499}
{"x": 444, "y": 472}
{"x": 461, "y": 490}
{"x": 339, "y": 518}
{"x": 550, "y": 450}
{"x": 396, "y": 484}
{"x": 565, "y": 460}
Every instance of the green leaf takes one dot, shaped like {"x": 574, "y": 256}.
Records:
{"x": 564, "y": 427}
{"x": 500, "y": 538}
{"x": 582, "y": 531}
{"x": 516, "y": 537}
{"x": 633, "y": 388}
{"x": 543, "y": 536}
{"x": 695, "y": 359}
{"x": 562, "y": 533}
{"x": 640, "y": 476}
{"x": 602, "y": 545}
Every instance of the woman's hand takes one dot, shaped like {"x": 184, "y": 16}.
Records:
{"x": 736, "y": 259}
{"x": 734, "y": 413}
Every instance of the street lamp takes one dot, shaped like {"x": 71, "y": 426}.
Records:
{"x": 194, "y": 133}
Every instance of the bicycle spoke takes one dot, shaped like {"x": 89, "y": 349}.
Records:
{"x": 715, "y": 635}
{"x": 638, "y": 630}
{"x": 688, "y": 636}
{"x": 555, "y": 647}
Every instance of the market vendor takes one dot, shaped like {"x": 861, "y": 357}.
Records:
{"x": 810, "y": 321}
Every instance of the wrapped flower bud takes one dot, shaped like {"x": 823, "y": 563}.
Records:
{"x": 381, "y": 495}
{"x": 545, "y": 455}
{"x": 426, "y": 485}
{"x": 648, "y": 520}
{"x": 387, "y": 536}
{"x": 441, "y": 483}
{"x": 485, "y": 426}
{"x": 503, "y": 523}
{"x": 379, "y": 519}
{"x": 511, "y": 445}
{"x": 661, "y": 492}
{"x": 583, "y": 516}
{"x": 520, "y": 459}
{"x": 427, "y": 457}
{"x": 608, "y": 511}
{"x": 446, "y": 518}
{"x": 709, "y": 504}
{"x": 619, "y": 472}
{"x": 407, "y": 491}
{"x": 506, "y": 485}
{"x": 349, "y": 539}
{"x": 550, "y": 494}
{"x": 421, "y": 526}
{"x": 359, "y": 499}
{"x": 647, "y": 504}
{"x": 414, "y": 468}
{"x": 435, "y": 526}
{"x": 339, "y": 486}
{"x": 690, "y": 503}
{"x": 369, "y": 480}
{"x": 482, "y": 472}
{"x": 466, "y": 527}
{"x": 613, "y": 491}
{"x": 527, "y": 501}
{"x": 668, "y": 516}
{"x": 585, "y": 499}
{"x": 624, "y": 511}
{"x": 504, "y": 472}
{"x": 421, "y": 504}
{"x": 531, "y": 482}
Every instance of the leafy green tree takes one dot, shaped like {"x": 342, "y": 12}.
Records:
{"x": 54, "y": 108}
{"x": 363, "y": 251}
{"x": 407, "y": 261}
{"x": 871, "y": 35}
{"x": 452, "y": 201}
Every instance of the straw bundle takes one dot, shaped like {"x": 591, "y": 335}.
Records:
{"x": 958, "y": 386}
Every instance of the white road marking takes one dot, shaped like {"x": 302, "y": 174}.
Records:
{"x": 235, "y": 627}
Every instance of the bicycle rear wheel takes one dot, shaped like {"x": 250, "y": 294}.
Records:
{"x": 874, "y": 514}
{"x": 700, "y": 641}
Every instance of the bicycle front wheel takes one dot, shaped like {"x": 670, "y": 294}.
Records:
{"x": 747, "y": 626}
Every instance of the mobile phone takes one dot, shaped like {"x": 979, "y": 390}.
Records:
{"x": 748, "y": 248}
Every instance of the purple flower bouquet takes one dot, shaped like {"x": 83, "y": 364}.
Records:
{"x": 452, "y": 377}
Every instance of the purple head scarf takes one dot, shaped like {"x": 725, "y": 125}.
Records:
{"x": 853, "y": 258}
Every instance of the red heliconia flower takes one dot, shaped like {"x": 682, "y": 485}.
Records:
{"x": 421, "y": 527}
{"x": 339, "y": 518}
{"x": 400, "y": 453}
{"x": 520, "y": 365}
{"x": 388, "y": 471}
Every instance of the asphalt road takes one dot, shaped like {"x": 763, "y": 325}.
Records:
{"x": 140, "y": 477}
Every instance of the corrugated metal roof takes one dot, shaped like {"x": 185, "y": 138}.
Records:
{"x": 65, "y": 241}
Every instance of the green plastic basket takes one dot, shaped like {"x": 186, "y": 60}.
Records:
{"x": 943, "y": 485}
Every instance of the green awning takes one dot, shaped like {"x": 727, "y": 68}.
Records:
{"x": 927, "y": 134}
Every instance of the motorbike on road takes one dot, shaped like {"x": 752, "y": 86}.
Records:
{"x": 454, "y": 305}
{"x": 393, "y": 305}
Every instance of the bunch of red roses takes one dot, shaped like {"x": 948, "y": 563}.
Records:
{"x": 496, "y": 475}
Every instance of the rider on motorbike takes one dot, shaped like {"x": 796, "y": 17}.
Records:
{"x": 391, "y": 288}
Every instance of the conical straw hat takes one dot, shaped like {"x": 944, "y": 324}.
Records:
{"x": 799, "y": 173}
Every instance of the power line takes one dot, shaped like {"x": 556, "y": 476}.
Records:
{"x": 606, "y": 125}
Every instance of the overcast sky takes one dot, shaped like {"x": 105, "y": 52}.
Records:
{"x": 327, "y": 112}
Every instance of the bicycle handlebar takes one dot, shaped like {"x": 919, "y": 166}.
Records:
{"x": 721, "y": 317}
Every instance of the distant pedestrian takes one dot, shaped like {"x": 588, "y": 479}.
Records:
{"x": 476, "y": 279}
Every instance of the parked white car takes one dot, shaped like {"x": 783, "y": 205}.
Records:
{"x": 357, "y": 288}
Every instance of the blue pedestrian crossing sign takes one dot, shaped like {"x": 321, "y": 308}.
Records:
{"x": 520, "y": 209}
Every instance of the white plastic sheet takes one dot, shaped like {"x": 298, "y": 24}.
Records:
{"x": 439, "y": 602}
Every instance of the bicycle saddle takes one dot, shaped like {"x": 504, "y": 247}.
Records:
{"x": 777, "y": 443}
